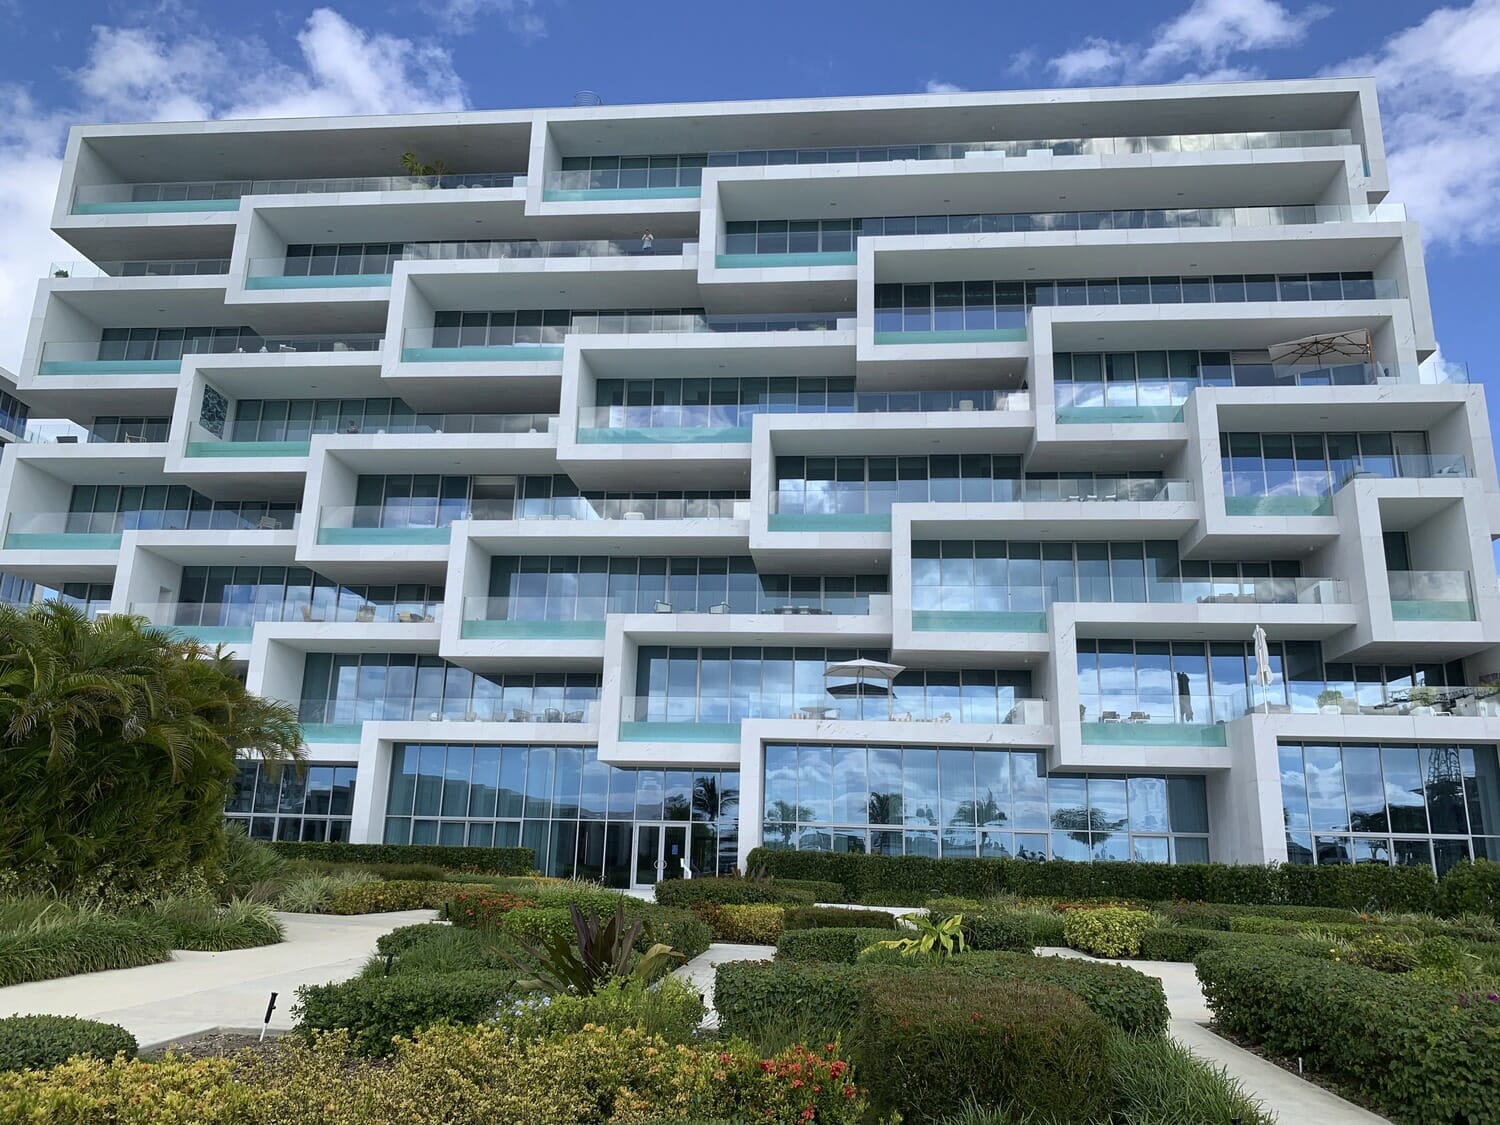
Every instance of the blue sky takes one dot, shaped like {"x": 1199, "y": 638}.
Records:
{"x": 1438, "y": 68}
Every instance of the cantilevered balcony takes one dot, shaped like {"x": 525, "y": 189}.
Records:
{"x": 118, "y": 357}
{"x": 1431, "y": 595}
{"x": 294, "y": 439}
{"x": 224, "y": 195}
{"x": 1285, "y": 491}
{"x": 1023, "y": 609}
{"x": 731, "y": 422}
{"x": 341, "y": 719}
{"x": 234, "y": 622}
{"x": 156, "y": 267}
{"x": 99, "y": 531}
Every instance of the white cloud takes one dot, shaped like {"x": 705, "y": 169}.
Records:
{"x": 132, "y": 74}
{"x": 938, "y": 86}
{"x": 460, "y": 16}
{"x": 1194, "y": 46}
{"x": 1439, "y": 83}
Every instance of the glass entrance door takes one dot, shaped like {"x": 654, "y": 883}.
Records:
{"x": 660, "y": 850}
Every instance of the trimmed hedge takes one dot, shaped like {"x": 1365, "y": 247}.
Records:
{"x": 729, "y": 891}
{"x": 824, "y": 996}
{"x": 1471, "y": 887}
{"x": 820, "y": 889}
{"x": 683, "y": 930}
{"x": 912, "y": 880}
{"x": 40, "y": 1042}
{"x": 832, "y": 943}
{"x": 1183, "y": 943}
{"x": 1420, "y": 1052}
{"x": 403, "y": 938}
{"x": 937, "y": 1041}
{"x": 753, "y": 923}
{"x": 1108, "y": 932}
{"x": 822, "y": 917}
{"x": 377, "y": 1009}
{"x": 490, "y": 861}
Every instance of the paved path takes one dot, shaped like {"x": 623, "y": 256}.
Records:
{"x": 699, "y": 972}
{"x": 196, "y": 992}
{"x": 1293, "y": 1100}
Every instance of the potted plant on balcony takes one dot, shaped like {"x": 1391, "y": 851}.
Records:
{"x": 1422, "y": 699}
{"x": 1330, "y": 701}
{"x": 417, "y": 168}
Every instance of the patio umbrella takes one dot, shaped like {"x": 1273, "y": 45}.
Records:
{"x": 1263, "y": 674}
{"x": 1331, "y": 350}
{"x": 862, "y": 671}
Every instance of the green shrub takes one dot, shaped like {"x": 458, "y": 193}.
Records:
{"x": 1470, "y": 887}
{"x": 669, "y": 1008}
{"x": 535, "y": 924}
{"x": 248, "y": 863}
{"x": 201, "y": 924}
{"x": 403, "y": 938}
{"x": 932, "y": 1040}
{"x": 819, "y": 997}
{"x": 1121, "y": 996}
{"x": 752, "y": 923}
{"x": 821, "y": 917}
{"x": 1110, "y": 932}
{"x": 377, "y": 1009}
{"x": 1183, "y": 943}
{"x": 407, "y": 872}
{"x": 446, "y": 950}
{"x": 1382, "y": 953}
{"x": 38, "y": 1042}
{"x": 313, "y": 892}
{"x": 1443, "y": 961}
{"x": 1419, "y": 1052}
{"x": 822, "y": 997}
{"x": 588, "y": 897}
{"x": 986, "y": 927}
{"x": 381, "y": 897}
{"x": 1198, "y": 915}
{"x": 683, "y": 930}
{"x": 1307, "y": 915}
{"x": 912, "y": 880}
{"x": 41, "y": 940}
{"x": 728, "y": 891}
{"x": 821, "y": 890}
{"x": 491, "y": 861}
{"x": 832, "y": 943}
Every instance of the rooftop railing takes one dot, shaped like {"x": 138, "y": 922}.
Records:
{"x": 222, "y": 195}
{"x": 163, "y": 267}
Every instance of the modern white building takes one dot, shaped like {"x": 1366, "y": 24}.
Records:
{"x": 890, "y": 474}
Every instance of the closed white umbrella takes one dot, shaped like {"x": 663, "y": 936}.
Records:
{"x": 1263, "y": 674}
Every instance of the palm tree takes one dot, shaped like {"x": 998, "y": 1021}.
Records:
{"x": 117, "y": 742}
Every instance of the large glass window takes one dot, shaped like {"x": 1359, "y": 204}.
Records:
{"x": 241, "y": 595}
{"x": 835, "y": 485}
{"x": 315, "y": 803}
{"x": 573, "y": 588}
{"x": 111, "y": 508}
{"x": 354, "y": 688}
{"x": 1407, "y": 804}
{"x": 965, "y": 802}
{"x": 576, "y": 813}
{"x": 1315, "y": 464}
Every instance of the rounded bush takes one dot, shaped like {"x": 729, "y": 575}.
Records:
{"x": 39, "y": 1042}
{"x": 1109, "y": 932}
{"x": 930, "y": 1042}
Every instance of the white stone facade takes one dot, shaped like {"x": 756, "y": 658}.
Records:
{"x": 285, "y": 271}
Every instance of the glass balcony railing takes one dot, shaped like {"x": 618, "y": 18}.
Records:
{"x": 718, "y": 718}
{"x": 419, "y": 524}
{"x": 339, "y": 720}
{"x": 584, "y": 617}
{"x": 1161, "y": 400}
{"x": 448, "y": 345}
{"x": 233, "y": 621}
{"x": 1309, "y": 492}
{"x": 1345, "y": 698}
{"x": 622, "y": 508}
{"x": 868, "y": 507}
{"x": 971, "y": 324}
{"x": 164, "y": 267}
{"x": 293, "y": 439}
{"x": 1161, "y": 717}
{"x": 323, "y": 271}
{"x": 430, "y": 523}
{"x": 102, "y": 530}
{"x": 1431, "y": 595}
{"x": 676, "y": 179}
{"x": 733, "y": 421}
{"x": 95, "y": 357}
{"x": 1023, "y": 609}
{"x": 224, "y": 195}
{"x": 819, "y": 246}
{"x": 91, "y": 608}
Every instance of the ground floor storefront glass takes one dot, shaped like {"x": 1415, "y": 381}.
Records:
{"x": 582, "y": 818}
{"x": 315, "y": 803}
{"x": 960, "y": 802}
{"x": 1410, "y": 805}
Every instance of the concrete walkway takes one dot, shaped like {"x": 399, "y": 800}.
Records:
{"x": 1291, "y": 1099}
{"x": 197, "y": 992}
{"x": 699, "y": 972}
